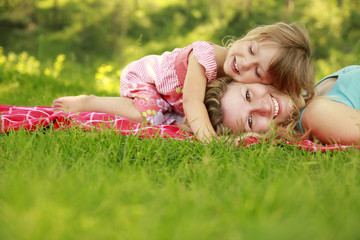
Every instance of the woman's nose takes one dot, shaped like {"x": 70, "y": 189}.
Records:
{"x": 262, "y": 107}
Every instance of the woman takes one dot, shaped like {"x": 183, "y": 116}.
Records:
{"x": 250, "y": 108}
{"x": 333, "y": 115}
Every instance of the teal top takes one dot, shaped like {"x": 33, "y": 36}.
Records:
{"x": 346, "y": 89}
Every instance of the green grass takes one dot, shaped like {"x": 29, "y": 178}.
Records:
{"x": 76, "y": 184}
{"x": 86, "y": 185}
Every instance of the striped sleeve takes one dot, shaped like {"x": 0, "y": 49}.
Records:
{"x": 205, "y": 54}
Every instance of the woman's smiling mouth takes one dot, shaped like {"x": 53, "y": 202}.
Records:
{"x": 277, "y": 106}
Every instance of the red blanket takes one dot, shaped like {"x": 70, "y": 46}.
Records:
{"x": 30, "y": 118}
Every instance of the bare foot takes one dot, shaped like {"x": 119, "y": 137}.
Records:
{"x": 71, "y": 104}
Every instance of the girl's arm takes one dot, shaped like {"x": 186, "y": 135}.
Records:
{"x": 193, "y": 101}
{"x": 332, "y": 122}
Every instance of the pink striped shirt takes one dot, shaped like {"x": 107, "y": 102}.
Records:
{"x": 155, "y": 82}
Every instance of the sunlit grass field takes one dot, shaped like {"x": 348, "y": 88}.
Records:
{"x": 76, "y": 184}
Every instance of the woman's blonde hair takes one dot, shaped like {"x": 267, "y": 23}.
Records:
{"x": 214, "y": 93}
{"x": 292, "y": 68}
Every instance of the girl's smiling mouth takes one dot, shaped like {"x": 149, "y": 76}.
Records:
{"x": 235, "y": 67}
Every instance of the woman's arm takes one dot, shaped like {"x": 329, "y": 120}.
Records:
{"x": 332, "y": 122}
{"x": 193, "y": 101}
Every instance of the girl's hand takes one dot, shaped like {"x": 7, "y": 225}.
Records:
{"x": 193, "y": 101}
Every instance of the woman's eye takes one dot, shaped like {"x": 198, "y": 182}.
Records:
{"x": 247, "y": 96}
{"x": 250, "y": 121}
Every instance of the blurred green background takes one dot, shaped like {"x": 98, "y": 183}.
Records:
{"x": 116, "y": 32}
{"x": 99, "y": 185}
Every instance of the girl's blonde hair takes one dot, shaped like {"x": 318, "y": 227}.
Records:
{"x": 215, "y": 91}
{"x": 292, "y": 68}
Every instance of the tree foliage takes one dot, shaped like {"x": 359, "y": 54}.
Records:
{"x": 124, "y": 30}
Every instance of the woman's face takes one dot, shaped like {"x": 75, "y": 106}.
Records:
{"x": 251, "y": 107}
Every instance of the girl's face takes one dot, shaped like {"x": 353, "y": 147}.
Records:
{"x": 252, "y": 107}
{"x": 248, "y": 61}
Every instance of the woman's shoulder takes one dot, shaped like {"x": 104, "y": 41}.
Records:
{"x": 315, "y": 108}
{"x": 326, "y": 119}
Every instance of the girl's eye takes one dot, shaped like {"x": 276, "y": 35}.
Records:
{"x": 257, "y": 72}
{"x": 250, "y": 121}
{"x": 247, "y": 96}
{"x": 251, "y": 50}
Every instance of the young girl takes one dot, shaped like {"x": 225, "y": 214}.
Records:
{"x": 159, "y": 89}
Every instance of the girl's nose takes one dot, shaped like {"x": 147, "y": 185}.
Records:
{"x": 248, "y": 63}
